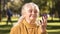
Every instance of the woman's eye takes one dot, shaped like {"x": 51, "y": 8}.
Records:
{"x": 30, "y": 11}
{"x": 35, "y": 11}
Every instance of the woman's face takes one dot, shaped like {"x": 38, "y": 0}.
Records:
{"x": 31, "y": 13}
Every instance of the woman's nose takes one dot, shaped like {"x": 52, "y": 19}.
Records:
{"x": 33, "y": 13}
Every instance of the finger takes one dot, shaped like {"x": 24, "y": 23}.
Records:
{"x": 44, "y": 20}
{"x": 41, "y": 21}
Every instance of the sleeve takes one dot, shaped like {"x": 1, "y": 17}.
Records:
{"x": 15, "y": 30}
{"x": 41, "y": 32}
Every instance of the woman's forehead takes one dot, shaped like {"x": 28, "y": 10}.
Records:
{"x": 29, "y": 7}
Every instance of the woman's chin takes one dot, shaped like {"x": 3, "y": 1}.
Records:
{"x": 33, "y": 19}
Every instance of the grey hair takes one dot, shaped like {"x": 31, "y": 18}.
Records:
{"x": 25, "y": 8}
{"x": 29, "y": 4}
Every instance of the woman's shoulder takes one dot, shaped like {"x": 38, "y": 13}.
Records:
{"x": 17, "y": 25}
{"x": 15, "y": 29}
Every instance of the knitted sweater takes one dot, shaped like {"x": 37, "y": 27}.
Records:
{"x": 26, "y": 28}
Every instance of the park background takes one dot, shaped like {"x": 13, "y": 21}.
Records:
{"x": 49, "y": 7}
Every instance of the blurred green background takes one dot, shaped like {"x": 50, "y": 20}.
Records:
{"x": 49, "y": 7}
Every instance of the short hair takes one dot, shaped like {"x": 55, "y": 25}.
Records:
{"x": 29, "y": 4}
{"x": 25, "y": 8}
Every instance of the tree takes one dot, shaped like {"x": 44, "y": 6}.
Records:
{"x": 40, "y": 3}
{"x": 0, "y": 15}
{"x": 57, "y": 5}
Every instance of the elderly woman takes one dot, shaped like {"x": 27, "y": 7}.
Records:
{"x": 28, "y": 23}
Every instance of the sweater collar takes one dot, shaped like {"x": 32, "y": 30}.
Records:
{"x": 29, "y": 25}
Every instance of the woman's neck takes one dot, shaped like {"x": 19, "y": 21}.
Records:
{"x": 30, "y": 21}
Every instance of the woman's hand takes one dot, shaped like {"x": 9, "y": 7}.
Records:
{"x": 43, "y": 24}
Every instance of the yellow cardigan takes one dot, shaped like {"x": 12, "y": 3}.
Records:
{"x": 26, "y": 28}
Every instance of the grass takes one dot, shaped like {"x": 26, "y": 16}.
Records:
{"x": 52, "y": 27}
